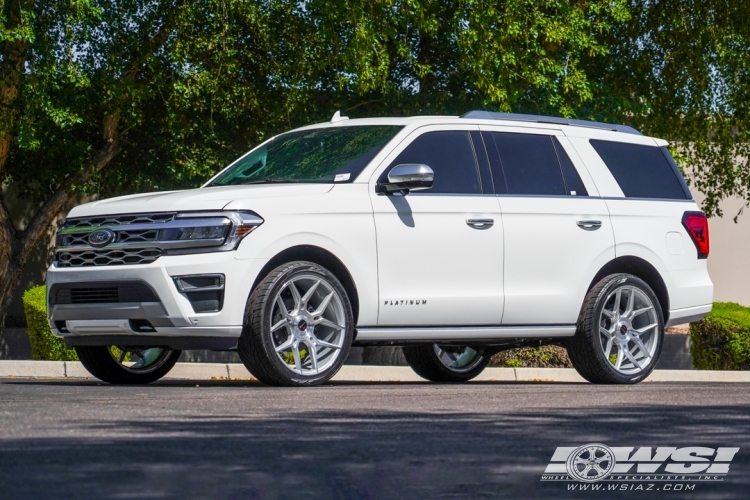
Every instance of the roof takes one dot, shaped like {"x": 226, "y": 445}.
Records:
{"x": 516, "y": 117}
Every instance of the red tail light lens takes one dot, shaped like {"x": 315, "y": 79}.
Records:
{"x": 696, "y": 224}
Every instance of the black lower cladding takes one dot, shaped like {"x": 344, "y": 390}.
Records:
{"x": 102, "y": 292}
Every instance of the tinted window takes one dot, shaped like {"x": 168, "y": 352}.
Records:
{"x": 642, "y": 171}
{"x": 573, "y": 184}
{"x": 529, "y": 164}
{"x": 450, "y": 155}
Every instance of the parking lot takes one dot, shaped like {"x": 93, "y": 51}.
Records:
{"x": 226, "y": 439}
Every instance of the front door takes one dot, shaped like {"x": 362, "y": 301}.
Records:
{"x": 440, "y": 251}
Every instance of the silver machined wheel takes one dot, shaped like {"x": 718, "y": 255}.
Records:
{"x": 139, "y": 360}
{"x": 460, "y": 359}
{"x": 308, "y": 324}
{"x": 629, "y": 330}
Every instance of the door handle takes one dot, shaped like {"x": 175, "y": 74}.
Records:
{"x": 589, "y": 225}
{"x": 480, "y": 223}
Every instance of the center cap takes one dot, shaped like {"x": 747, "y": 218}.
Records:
{"x": 624, "y": 329}
{"x": 302, "y": 325}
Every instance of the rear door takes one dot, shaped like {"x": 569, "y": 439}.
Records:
{"x": 437, "y": 263}
{"x": 557, "y": 229}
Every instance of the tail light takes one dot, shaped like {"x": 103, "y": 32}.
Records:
{"x": 696, "y": 224}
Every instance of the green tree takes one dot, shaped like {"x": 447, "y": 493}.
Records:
{"x": 680, "y": 70}
{"x": 112, "y": 96}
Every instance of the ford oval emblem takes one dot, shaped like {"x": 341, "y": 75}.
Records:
{"x": 101, "y": 238}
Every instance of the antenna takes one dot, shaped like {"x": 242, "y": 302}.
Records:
{"x": 338, "y": 118}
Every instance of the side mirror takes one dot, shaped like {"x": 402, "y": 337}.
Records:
{"x": 408, "y": 177}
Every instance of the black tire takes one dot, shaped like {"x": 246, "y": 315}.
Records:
{"x": 586, "y": 350}
{"x": 424, "y": 360}
{"x": 256, "y": 346}
{"x": 100, "y": 363}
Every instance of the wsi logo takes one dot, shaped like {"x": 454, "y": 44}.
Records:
{"x": 598, "y": 462}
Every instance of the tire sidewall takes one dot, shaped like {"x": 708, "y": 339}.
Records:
{"x": 593, "y": 335}
{"x": 267, "y": 310}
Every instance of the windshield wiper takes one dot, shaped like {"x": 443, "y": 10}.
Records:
{"x": 272, "y": 180}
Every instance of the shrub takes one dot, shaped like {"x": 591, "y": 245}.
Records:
{"x": 547, "y": 356}
{"x": 721, "y": 340}
{"x": 44, "y": 345}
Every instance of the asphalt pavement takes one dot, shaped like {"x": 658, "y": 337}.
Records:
{"x": 241, "y": 440}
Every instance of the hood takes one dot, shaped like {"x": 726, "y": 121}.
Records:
{"x": 208, "y": 198}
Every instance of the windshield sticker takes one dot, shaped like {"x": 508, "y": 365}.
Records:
{"x": 341, "y": 177}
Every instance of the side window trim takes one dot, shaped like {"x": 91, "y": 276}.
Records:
{"x": 499, "y": 182}
{"x": 560, "y": 150}
{"x": 483, "y": 162}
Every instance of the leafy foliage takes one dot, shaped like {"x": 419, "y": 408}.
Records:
{"x": 547, "y": 356}
{"x": 680, "y": 69}
{"x": 44, "y": 345}
{"x": 721, "y": 341}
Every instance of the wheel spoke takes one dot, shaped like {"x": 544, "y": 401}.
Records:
{"x": 618, "y": 361}
{"x": 609, "y": 314}
{"x": 327, "y": 344}
{"x": 282, "y": 307}
{"x": 608, "y": 348}
{"x": 295, "y": 353}
{"x": 278, "y": 325}
{"x": 313, "y": 353}
{"x": 631, "y": 303}
{"x": 606, "y": 332}
{"x": 295, "y": 294}
{"x": 323, "y": 304}
{"x": 123, "y": 353}
{"x": 641, "y": 331}
{"x": 326, "y": 322}
{"x": 638, "y": 342}
{"x": 632, "y": 359}
{"x": 309, "y": 294}
{"x": 640, "y": 311}
{"x": 286, "y": 345}
{"x": 618, "y": 297}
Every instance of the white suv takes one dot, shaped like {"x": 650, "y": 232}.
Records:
{"x": 454, "y": 237}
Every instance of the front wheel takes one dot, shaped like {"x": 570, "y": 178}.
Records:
{"x": 445, "y": 363}
{"x": 298, "y": 326}
{"x": 127, "y": 365}
{"x": 619, "y": 333}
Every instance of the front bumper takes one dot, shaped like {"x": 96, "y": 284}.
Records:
{"x": 171, "y": 313}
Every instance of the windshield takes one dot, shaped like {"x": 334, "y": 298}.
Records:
{"x": 336, "y": 154}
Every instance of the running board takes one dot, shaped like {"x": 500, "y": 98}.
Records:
{"x": 449, "y": 333}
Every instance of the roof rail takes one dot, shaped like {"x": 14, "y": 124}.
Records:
{"x": 492, "y": 115}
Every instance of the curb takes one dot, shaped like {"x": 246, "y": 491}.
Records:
{"x": 349, "y": 373}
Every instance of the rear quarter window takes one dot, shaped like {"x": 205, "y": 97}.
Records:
{"x": 643, "y": 171}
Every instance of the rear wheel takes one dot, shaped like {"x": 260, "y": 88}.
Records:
{"x": 127, "y": 365}
{"x": 298, "y": 327}
{"x": 445, "y": 363}
{"x": 620, "y": 332}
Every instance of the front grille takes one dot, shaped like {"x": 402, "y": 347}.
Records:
{"x": 91, "y": 295}
{"x": 101, "y": 292}
{"x": 117, "y": 220}
{"x": 137, "y": 236}
{"x": 105, "y": 257}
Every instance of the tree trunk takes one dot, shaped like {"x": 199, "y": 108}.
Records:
{"x": 15, "y": 247}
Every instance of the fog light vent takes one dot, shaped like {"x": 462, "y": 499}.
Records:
{"x": 204, "y": 291}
